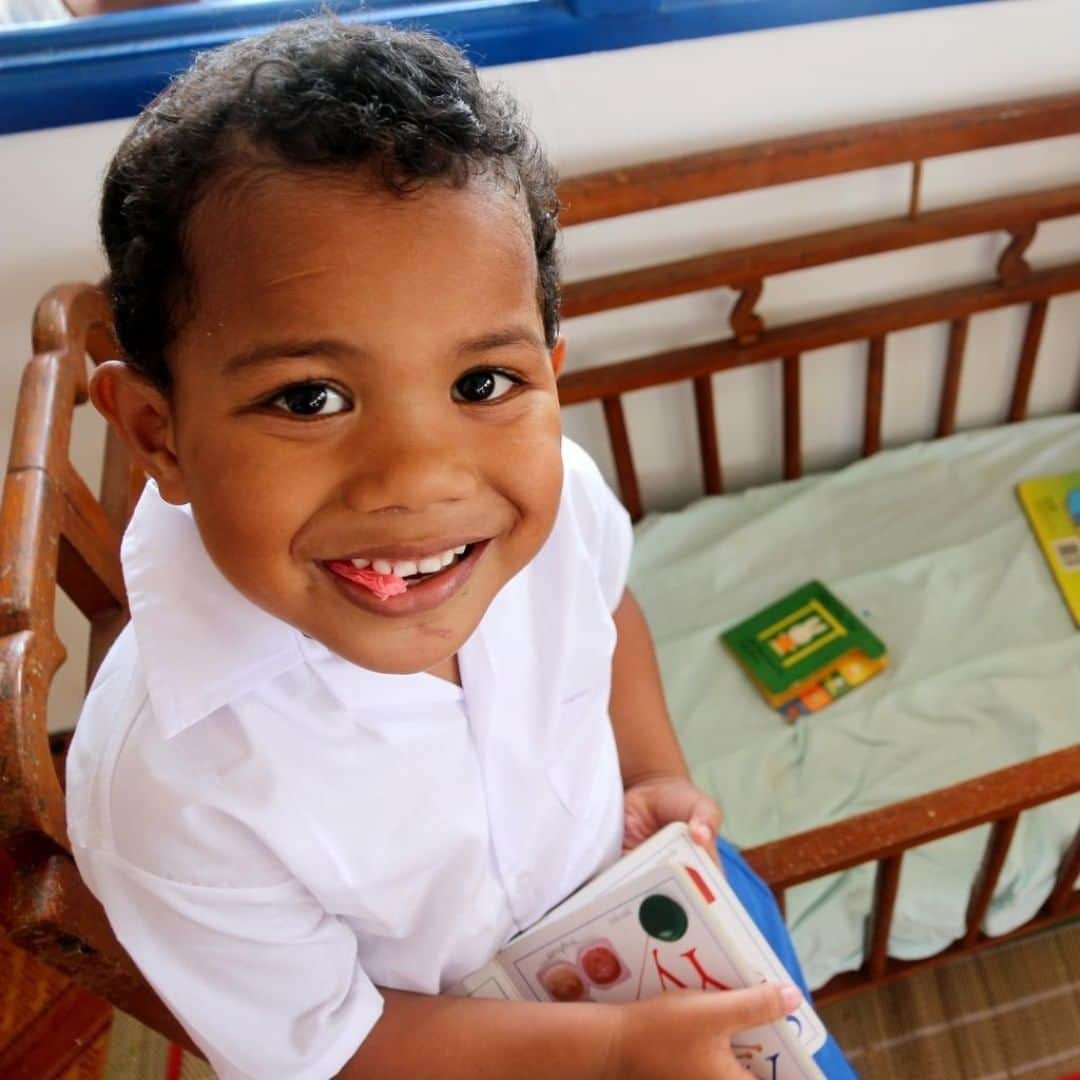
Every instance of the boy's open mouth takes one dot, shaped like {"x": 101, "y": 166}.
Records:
{"x": 413, "y": 571}
{"x": 397, "y": 585}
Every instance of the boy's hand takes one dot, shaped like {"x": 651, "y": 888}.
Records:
{"x": 693, "y": 1034}
{"x": 651, "y": 804}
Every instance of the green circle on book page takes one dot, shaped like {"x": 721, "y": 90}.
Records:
{"x": 662, "y": 918}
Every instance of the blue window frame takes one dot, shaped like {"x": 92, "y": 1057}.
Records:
{"x": 110, "y": 66}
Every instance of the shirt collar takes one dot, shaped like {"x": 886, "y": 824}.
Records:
{"x": 201, "y": 642}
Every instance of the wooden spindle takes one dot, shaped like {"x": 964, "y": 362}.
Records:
{"x": 997, "y": 850}
{"x": 916, "y": 190}
{"x": 950, "y": 390}
{"x": 121, "y": 484}
{"x": 792, "y": 418}
{"x": 781, "y": 901}
{"x": 104, "y": 630}
{"x": 1063, "y": 893}
{"x": 886, "y": 885}
{"x": 875, "y": 388}
{"x": 707, "y": 438}
{"x": 624, "y": 458}
{"x": 115, "y": 480}
{"x": 1026, "y": 369}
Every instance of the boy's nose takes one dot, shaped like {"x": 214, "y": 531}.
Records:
{"x": 409, "y": 474}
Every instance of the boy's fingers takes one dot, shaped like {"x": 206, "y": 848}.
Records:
{"x": 705, "y": 824}
{"x": 705, "y": 838}
{"x": 705, "y": 814}
{"x": 737, "y": 1010}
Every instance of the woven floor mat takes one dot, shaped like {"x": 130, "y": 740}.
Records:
{"x": 1012, "y": 1011}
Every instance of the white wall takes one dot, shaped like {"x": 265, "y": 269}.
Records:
{"x": 623, "y": 107}
{"x": 633, "y": 105}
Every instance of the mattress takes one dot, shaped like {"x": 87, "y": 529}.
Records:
{"x": 928, "y": 544}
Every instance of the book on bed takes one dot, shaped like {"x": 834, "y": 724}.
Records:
{"x": 662, "y": 918}
{"x": 806, "y": 650}
{"x": 1052, "y": 505}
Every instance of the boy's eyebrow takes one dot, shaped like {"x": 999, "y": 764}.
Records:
{"x": 272, "y": 351}
{"x": 496, "y": 339}
{"x": 288, "y": 350}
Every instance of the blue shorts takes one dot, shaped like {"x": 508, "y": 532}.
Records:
{"x": 759, "y": 902}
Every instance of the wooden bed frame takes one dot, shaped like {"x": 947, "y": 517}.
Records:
{"x": 53, "y": 530}
{"x": 881, "y": 836}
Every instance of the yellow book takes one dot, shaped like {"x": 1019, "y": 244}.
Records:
{"x": 1052, "y": 505}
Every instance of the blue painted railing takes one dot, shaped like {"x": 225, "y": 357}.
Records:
{"x": 111, "y": 65}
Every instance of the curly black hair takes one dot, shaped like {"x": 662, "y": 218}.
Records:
{"x": 315, "y": 94}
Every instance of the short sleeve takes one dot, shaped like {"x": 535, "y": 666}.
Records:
{"x": 602, "y": 519}
{"x": 266, "y": 983}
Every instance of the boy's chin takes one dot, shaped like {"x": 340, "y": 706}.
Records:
{"x": 425, "y": 649}
{"x": 405, "y": 664}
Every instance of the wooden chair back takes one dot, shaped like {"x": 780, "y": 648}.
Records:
{"x": 55, "y": 532}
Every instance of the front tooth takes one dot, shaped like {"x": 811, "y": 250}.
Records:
{"x": 460, "y": 550}
{"x": 381, "y": 566}
{"x": 404, "y": 569}
{"x": 361, "y": 564}
{"x": 446, "y": 558}
{"x": 430, "y": 564}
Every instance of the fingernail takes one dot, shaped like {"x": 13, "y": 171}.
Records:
{"x": 791, "y": 996}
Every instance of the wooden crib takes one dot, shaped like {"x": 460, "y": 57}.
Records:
{"x": 881, "y": 836}
{"x": 55, "y": 531}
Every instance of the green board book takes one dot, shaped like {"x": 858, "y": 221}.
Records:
{"x": 806, "y": 650}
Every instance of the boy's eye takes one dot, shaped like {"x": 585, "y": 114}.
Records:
{"x": 310, "y": 399}
{"x": 484, "y": 384}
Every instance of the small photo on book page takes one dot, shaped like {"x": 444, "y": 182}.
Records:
{"x": 651, "y": 935}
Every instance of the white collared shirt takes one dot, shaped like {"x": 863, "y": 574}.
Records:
{"x": 274, "y": 832}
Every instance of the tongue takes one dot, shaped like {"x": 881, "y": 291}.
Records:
{"x": 382, "y": 585}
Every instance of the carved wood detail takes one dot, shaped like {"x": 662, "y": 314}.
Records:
{"x": 1012, "y": 267}
{"x": 746, "y": 324}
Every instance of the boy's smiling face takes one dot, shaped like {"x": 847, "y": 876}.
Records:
{"x": 358, "y": 376}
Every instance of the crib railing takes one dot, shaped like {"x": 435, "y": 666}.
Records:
{"x": 884, "y": 836}
{"x": 746, "y": 270}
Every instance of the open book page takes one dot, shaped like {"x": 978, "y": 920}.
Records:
{"x": 673, "y": 843}
{"x": 657, "y": 931}
{"x": 594, "y": 947}
{"x": 490, "y": 981}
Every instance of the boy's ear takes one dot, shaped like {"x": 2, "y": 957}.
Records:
{"x": 142, "y": 416}
{"x": 558, "y": 356}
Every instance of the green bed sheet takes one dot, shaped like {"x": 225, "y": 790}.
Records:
{"x": 928, "y": 544}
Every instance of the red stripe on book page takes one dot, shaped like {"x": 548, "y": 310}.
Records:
{"x": 699, "y": 881}
{"x": 174, "y": 1062}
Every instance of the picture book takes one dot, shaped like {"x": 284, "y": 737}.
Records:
{"x": 662, "y": 918}
{"x": 1052, "y": 505}
{"x": 805, "y": 650}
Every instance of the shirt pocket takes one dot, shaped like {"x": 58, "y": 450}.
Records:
{"x": 583, "y": 766}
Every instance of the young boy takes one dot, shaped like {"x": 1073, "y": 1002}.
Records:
{"x": 357, "y": 733}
